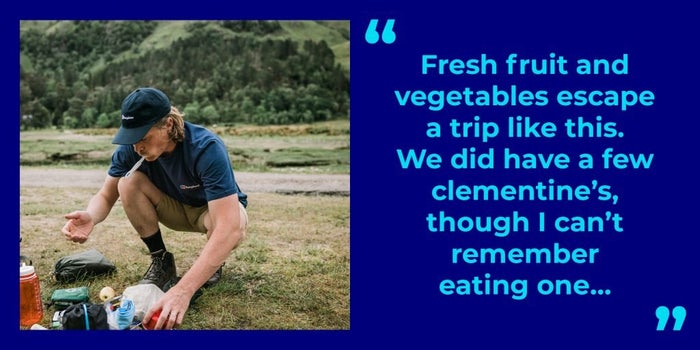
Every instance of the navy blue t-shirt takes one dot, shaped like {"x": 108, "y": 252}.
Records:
{"x": 197, "y": 171}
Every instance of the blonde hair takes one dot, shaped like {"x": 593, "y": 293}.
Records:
{"x": 177, "y": 133}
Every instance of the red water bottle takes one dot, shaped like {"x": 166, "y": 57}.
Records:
{"x": 151, "y": 324}
{"x": 30, "y": 308}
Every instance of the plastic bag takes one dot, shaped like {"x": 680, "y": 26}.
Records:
{"x": 81, "y": 265}
{"x": 143, "y": 296}
{"x": 121, "y": 317}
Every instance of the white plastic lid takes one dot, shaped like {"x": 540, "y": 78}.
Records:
{"x": 26, "y": 270}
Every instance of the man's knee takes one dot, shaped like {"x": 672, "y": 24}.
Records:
{"x": 136, "y": 186}
{"x": 128, "y": 185}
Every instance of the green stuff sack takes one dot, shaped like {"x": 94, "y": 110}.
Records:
{"x": 63, "y": 298}
{"x": 82, "y": 265}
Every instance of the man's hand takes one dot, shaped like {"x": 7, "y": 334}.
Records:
{"x": 172, "y": 306}
{"x": 78, "y": 227}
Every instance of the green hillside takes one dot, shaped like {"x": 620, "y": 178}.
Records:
{"x": 75, "y": 73}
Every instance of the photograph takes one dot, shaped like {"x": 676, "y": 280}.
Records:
{"x": 187, "y": 175}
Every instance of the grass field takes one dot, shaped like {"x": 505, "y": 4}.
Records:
{"x": 291, "y": 272}
{"x": 307, "y": 148}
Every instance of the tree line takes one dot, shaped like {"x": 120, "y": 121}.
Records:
{"x": 225, "y": 72}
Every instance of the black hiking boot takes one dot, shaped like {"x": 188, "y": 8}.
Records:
{"x": 162, "y": 269}
{"x": 214, "y": 278}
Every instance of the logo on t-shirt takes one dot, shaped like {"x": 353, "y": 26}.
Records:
{"x": 185, "y": 187}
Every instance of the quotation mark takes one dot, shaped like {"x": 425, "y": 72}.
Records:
{"x": 662, "y": 313}
{"x": 372, "y": 34}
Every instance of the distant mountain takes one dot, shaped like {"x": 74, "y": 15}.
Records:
{"x": 75, "y": 73}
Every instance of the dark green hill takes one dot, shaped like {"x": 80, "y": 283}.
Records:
{"x": 75, "y": 73}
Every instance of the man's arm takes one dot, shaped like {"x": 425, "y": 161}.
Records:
{"x": 102, "y": 203}
{"x": 80, "y": 223}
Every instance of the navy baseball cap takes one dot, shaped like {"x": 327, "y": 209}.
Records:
{"x": 141, "y": 109}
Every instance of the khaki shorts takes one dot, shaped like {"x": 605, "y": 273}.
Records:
{"x": 183, "y": 217}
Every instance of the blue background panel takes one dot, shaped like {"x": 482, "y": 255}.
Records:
{"x": 396, "y": 262}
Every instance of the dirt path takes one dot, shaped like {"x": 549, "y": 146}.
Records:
{"x": 249, "y": 182}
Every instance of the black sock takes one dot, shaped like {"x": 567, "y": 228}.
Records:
{"x": 154, "y": 242}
